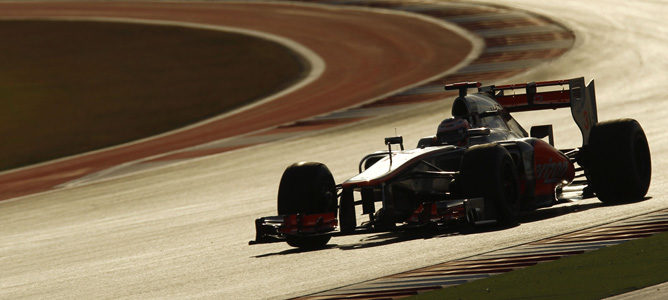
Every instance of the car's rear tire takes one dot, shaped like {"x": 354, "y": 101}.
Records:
{"x": 618, "y": 163}
{"x": 488, "y": 171}
{"x": 307, "y": 188}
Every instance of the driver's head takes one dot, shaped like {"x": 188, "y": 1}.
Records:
{"x": 453, "y": 131}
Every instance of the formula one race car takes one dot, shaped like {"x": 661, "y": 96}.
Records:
{"x": 480, "y": 168}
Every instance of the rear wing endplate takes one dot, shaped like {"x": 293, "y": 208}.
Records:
{"x": 571, "y": 93}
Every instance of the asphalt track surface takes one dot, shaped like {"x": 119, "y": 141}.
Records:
{"x": 182, "y": 230}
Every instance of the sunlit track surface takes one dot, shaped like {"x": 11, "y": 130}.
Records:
{"x": 514, "y": 41}
{"x": 182, "y": 231}
{"x": 501, "y": 261}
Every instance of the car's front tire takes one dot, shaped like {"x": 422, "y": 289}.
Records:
{"x": 307, "y": 188}
{"x": 488, "y": 171}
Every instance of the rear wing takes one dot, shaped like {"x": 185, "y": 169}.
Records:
{"x": 571, "y": 93}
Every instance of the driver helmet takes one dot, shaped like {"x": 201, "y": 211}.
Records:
{"x": 453, "y": 131}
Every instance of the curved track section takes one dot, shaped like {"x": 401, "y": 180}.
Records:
{"x": 514, "y": 40}
{"x": 374, "y": 51}
{"x": 182, "y": 230}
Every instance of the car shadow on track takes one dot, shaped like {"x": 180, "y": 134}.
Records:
{"x": 295, "y": 251}
{"x": 555, "y": 211}
{"x": 430, "y": 232}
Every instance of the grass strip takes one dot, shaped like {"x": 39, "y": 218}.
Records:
{"x": 72, "y": 87}
{"x": 593, "y": 275}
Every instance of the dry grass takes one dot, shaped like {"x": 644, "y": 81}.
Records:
{"x": 72, "y": 87}
{"x": 593, "y": 275}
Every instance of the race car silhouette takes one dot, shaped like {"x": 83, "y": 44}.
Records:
{"x": 480, "y": 168}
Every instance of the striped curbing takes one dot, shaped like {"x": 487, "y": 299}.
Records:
{"x": 501, "y": 261}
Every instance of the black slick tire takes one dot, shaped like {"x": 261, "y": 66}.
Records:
{"x": 618, "y": 161}
{"x": 307, "y": 188}
{"x": 488, "y": 171}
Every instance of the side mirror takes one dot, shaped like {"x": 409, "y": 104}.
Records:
{"x": 542, "y": 131}
{"x": 393, "y": 140}
{"x": 389, "y": 141}
{"x": 478, "y": 131}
